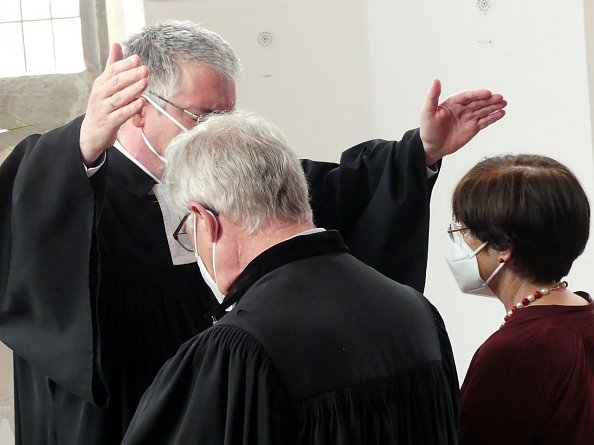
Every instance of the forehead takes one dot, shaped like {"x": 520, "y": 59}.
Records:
{"x": 202, "y": 88}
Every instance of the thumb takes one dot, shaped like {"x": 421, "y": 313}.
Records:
{"x": 115, "y": 53}
{"x": 432, "y": 99}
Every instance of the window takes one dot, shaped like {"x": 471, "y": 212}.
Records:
{"x": 40, "y": 37}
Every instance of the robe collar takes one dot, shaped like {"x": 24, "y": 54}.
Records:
{"x": 290, "y": 250}
{"x": 129, "y": 175}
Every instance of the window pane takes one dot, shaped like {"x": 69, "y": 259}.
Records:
{"x": 35, "y": 9}
{"x": 13, "y": 54}
{"x": 68, "y": 44}
{"x": 10, "y": 11}
{"x": 39, "y": 47}
{"x": 64, "y": 8}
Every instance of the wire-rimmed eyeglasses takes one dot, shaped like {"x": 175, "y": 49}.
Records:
{"x": 455, "y": 228}
{"x": 189, "y": 113}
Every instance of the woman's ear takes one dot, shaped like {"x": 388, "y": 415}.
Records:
{"x": 505, "y": 255}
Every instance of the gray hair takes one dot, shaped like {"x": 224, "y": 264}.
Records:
{"x": 164, "y": 46}
{"x": 239, "y": 164}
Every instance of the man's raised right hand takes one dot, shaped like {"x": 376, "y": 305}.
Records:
{"x": 114, "y": 99}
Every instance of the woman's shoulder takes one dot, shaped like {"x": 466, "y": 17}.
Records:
{"x": 535, "y": 339}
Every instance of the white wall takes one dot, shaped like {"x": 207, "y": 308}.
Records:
{"x": 124, "y": 17}
{"x": 312, "y": 80}
{"x": 535, "y": 55}
{"x": 338, "y": 72}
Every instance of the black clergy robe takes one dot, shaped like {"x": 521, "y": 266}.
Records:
{"x": 320, "y": 349}
{"x": 90, "y": 302}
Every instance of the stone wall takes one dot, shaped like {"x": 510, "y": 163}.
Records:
{"x": 39, "y": 103}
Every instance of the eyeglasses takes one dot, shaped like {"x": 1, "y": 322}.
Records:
{"x": 182, "y": 237}
{"x": 455, "y": 228}
{"x": 189, "y": 113}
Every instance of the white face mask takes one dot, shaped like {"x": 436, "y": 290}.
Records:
{"x": 464, "y": 266}
{"x": 166, "y": 114}
{"x": 210, "y": 282}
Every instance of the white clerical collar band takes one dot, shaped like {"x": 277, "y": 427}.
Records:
{"x": 308, "y": 232}
{"x": 122, "y": 150}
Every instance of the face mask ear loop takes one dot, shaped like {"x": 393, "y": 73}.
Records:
{"x": 194, "y": 229}
{"x": 479, "y": 248}
{"x": 488, "y": 280}
{"x": 151, "y": 148}
{"x": 214, "y": 248}
{"x": 162, "y": 110}
{"x": 501, "y": 264}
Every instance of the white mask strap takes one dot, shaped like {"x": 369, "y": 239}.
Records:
{"x": 214, "y": 263}
{"x": 214, "y": 246}
{"x": 195, "y": 245}
{"x": 488, "y": 280}
{"x": 150, "y": 147}
{"x": 162, "y": 110}
{"x": 479, "y": 248}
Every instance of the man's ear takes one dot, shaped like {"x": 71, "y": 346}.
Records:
{"x": 139, "y": 118}
{"x": 208, "y": 218}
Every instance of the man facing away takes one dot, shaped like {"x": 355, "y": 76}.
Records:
{"x": 316, "y": 347}
{"x": 95, "y": 294}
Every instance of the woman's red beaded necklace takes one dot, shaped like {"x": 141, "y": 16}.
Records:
{"x": 536, "y": 295}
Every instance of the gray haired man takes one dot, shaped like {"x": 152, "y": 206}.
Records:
{"x": 96, "y": 294}
{"x": 318, "y": 348}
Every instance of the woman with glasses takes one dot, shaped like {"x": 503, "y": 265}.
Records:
{"x": 520, "y": 222}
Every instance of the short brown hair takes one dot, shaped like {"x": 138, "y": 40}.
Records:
{"x": 531, "y": 204}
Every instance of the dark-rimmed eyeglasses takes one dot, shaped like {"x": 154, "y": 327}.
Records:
{"x": 182, "y": 237}
{"x": 189, "y": 113}
{"x": 455, "y": 228}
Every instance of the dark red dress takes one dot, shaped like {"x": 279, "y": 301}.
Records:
{"x": 532, "y": 382}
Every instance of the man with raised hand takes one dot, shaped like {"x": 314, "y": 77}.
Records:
{"x": 95, "y": 293}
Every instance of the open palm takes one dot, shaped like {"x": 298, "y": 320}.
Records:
{"x": 448, "y": 126}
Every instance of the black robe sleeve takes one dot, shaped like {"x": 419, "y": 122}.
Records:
{"x": 378, "y": 198}
{"x": 219, "y": 389}
{"x": 47, "y": 267}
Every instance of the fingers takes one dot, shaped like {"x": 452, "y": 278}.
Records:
{"x": 488, "y": 108}
{"x": 126, "y": 92}
{"x": 122, "y": 74}
{"x": 119, "y": 72}
{"x": 114, "y": 99}
{"x": 121, "y": 66}
{"x": 116, "y": 62}
{"x": 120, "y": 115}
{"x": 122, "y": 81}
{"x": 490, "y": 119}
{"x": 482, "y": 103}
{"x": 115, "y": 54}
{"x": 477, "y": 108}
{"x": 432, "y": 99}
{"x": 468, "y": 97}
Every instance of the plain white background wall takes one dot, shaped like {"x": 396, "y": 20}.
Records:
{"x": 338, "y": 72}
{"x": 312, "y": 80}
